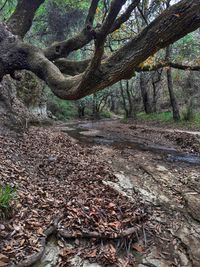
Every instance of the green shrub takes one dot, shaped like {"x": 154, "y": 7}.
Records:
{"x": 188, "y": 114}
{"x": 7, "y": 195}
{"x": 161, "y": 116}
{"x": 61, "y": 109}
{"x": 105, "y": 114}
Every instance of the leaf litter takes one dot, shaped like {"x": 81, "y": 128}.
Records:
{"x": 58, "y": 180}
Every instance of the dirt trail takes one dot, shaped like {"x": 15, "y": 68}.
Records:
{"x": 171, "y": 187}
{"x": 133, "y": 188}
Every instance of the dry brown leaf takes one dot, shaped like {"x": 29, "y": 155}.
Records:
{"x": 3, "y": 260}
{"x": 92, "y": 254}
{"x": 138, "y": 248}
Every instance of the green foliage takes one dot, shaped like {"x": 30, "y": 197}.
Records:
{"x": 105, "y": 114}
{"x": 187, "y": 48}
{"x": 162, "y": 116}
{"x": 124, "y": 120}
{"x": 7, "y": 195}
{"x": 56, "y": 20}
{"x": 7, "y": 8}
{"x": 188, "y": 114}
{"x": 61, "y": 109}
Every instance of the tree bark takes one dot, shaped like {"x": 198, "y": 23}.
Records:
{"x": 173, "y": 101}
{"x": 171, "y": 25}
{"x": 21, "y": 20}
{"x": 124, "y": 100}
{"x": 145, "y": 93}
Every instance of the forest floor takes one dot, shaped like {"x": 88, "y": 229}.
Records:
{"x": 110, "y": 193}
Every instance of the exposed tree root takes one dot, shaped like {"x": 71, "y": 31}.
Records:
{"x": 36, "y": 257}
{"x": 124, "y": 233}
{"x": 53, "y": 229}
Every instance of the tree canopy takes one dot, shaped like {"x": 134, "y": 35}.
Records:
{"x": 162, "y": 25}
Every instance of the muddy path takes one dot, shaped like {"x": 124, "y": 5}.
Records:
{"x": 163, "y": 167}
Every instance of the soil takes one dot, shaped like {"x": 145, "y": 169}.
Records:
{"x": 103, "y": 178}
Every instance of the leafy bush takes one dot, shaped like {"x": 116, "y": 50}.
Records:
{"x": 188, "y": 113}
{"x": 61, "y": 109}
{"x": 105, "y": 114}
{"x": 162, "y": 116}
{"x": 7, "y": 195}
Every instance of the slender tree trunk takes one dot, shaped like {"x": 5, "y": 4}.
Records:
{"x": 112, "y": 104}
{"x": 156, "y": 80}
{"x": 81, "y": 112}
{"x": 130, "y": 104}
{"x": 154, "y": 102}
{"x": 173, "y": 101}
{"x": 123, "y": 100}
{"x": 145, "y": 93}
{"x": 95, "y": 111}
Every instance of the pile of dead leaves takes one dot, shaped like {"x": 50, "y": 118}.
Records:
{"x": 56, "y": 178}
{"x": 188, "y": 142}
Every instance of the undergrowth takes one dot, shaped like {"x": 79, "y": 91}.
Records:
{"x": 166, "y": 118}
{"x": 7, "y": 195}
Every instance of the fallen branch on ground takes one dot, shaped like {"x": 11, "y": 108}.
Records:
{"x": 123, "y": 233}
{"x": 66, "y": 234}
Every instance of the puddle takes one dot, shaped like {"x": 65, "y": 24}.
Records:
{"x": 185, "y": 158}
{"x": 86, "y": 133}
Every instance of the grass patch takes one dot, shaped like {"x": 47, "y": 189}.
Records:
{"x": 166, "y": 118}
{"x": 161, "y": 117}
{"x": 7, "y": 195}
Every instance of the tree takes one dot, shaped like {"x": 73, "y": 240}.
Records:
{"x": 91, "y": 75}
{"x": 173, "y": 101}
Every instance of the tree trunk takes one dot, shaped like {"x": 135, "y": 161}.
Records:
{"x": 124, "y": 100}
{"x": 112, "y": 103}
{"x": 173, "y": 101}
{"x": 154, "y": 102}
{"x": 81, "y": 112}
{"x": 95, "y": 110}
{"x": 145, "y": 93}
{"x": 156, "y": 80}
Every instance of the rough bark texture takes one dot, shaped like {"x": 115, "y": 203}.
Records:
{"x": 170, "y": 26}
{"x": 173, "y": 101}
{"x": 145, "y": 93}
{"x": 21, "y": 20}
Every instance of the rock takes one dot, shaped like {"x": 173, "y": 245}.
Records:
{"x": 78, "y": 262}
{"x": 50, "y": 257}
{"x": 2, "y": 227}
{"x": 191, "y": 241}
{"x": 161, "y": 168}
{"x": 193, "y": 205}
{"x": 153, "y": 259}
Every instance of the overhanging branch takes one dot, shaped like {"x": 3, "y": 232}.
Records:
{"x": 125, "y": 16}
{"x": 64, "y": 48}
{"x": 167, "y": 64}
{"x": 165, "y": 29}
{"x": 21, "y": 20}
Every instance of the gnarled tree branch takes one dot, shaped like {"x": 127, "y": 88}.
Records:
{"x": 72, "y": 68}
{"x": 62, "y": 49}
{"x": 168, "y": 64}
{"x": 21, "y": 20}
{"x": 125, "y": 16}
{"x": 167, "y": 28}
